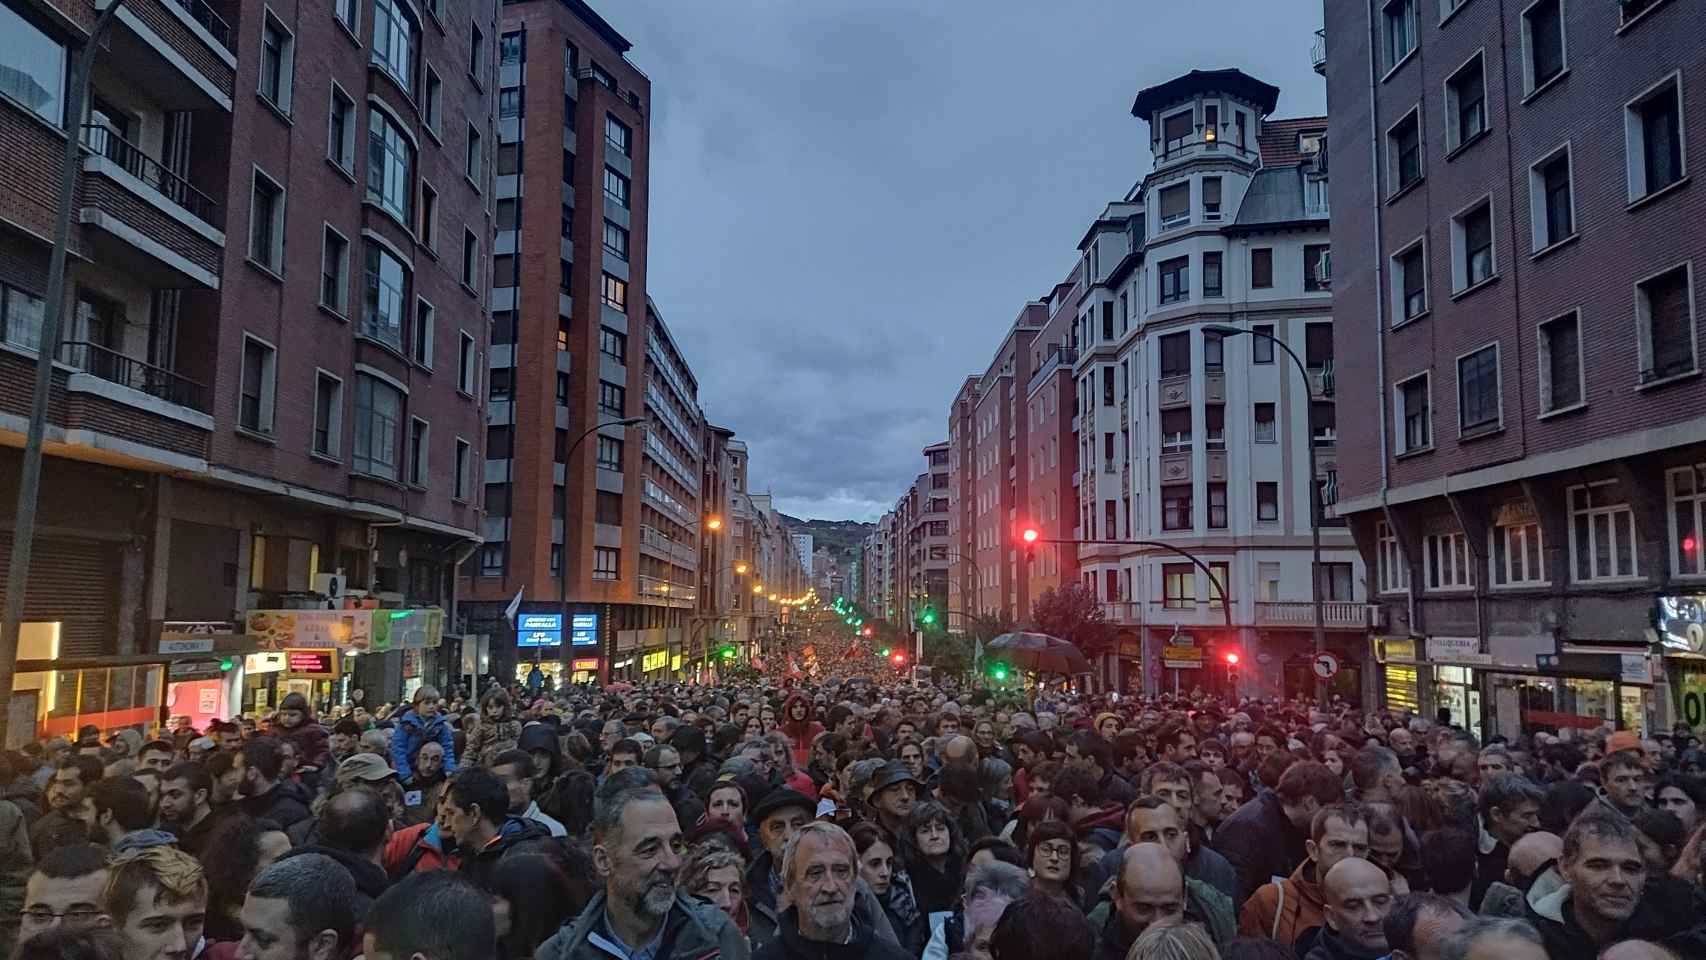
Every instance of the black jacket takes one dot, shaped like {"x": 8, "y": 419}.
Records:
{"x": 1328, "y": 946}
{"x": 370, "y": 879}
{"x": 1663, "y": 912}
{"x": 286, "y": 804}
{"x": 1260, "y": 843}
{"x": 788, "y": 944}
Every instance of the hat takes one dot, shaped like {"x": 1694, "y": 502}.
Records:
{"x": 782, "y": 798}
{"x": 1623, "y": 740}
{"x": 890, "y": 774}
{"x": 203, "y": 743}
{"x": 363, "y": 767}
{"x": 294, "y": 701}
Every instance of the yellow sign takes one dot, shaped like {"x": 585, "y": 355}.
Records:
{"x": 654, "y": 661}
{"x": 1181, "y": 658}
{"x": 675, "y": 663}
{"x": 1395, "y": 649}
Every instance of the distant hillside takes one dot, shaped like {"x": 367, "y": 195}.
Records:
{"x": 840, "y": 537}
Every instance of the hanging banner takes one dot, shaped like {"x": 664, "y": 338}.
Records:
{"x": 407, "y": 629}
{"x": 342, "y": 629}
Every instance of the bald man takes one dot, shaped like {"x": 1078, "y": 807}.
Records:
{"x": 1638, "y": 950}
{"x": 1358, "y": 896}
{"x": 1533, "y": 862}
{"x": 958, "y": 751}
{"x": 1149, "y": 889}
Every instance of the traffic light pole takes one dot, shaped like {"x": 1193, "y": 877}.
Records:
{"x": 1219, "y": 587}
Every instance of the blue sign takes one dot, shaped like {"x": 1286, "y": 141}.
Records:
{"x": 583, "y": 630}
{"x": 539, "y": 630}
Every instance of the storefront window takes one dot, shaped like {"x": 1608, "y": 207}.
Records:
{"x": 1454, "y": 691}
{"x": 1402, "y": 689}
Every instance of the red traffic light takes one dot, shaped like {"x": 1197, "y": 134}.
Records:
{"x": 867, "y": 631}
{"x": 898, "y": 658}
{"x": 1232, "y": 659}
{"x": 1030, "y": 535}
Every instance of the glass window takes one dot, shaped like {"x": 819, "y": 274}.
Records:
{"x": 21, "y": 315}
{"x": 1478, "y": 388}
{"x": 1179, "y": 586}
{"x": 1406, "y": 147}
{"x": 1664, "y": 308}
{"x": 1267, "y": 501}
{"x": 1262, "y": 343}
{"x": 1445, "y": 560}
{"x": 1517, "y": 554}
{"x": 32, "y": 66}
{"x": 328, "y": 414}
{"x": 1262, "y": 268}
{"x": 390, "y": 166}
{"x": 1413, "y": 411}
{"x": 1602, "y": 533}
{"x": 1543, "y": 29}
{"x": 617, "y": 135}
{"x": 387, "y": 291}
{"x": 1175, "y": 279}
{"x": 396, "y": 36}
{"x": 616, "y": 187}
{"x": 1211, "y": 274}
{"x": 378, "y": 413}
{"x": 1560, "y": 363}
{"x": 615, "y": 293}
{"x": 615, "y": 240}
{"x": 1394, "y": 569}
{"x": 1266, "y": 431}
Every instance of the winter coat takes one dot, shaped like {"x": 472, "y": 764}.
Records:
{"x": 493, "y": 737}
{"x": 693, "y": 930}
{"x": 1328, "y": 946}
{"x": 937, "y": 890}
{"x": 1260, "y": 842}
{"x": 286, "y": 804}
{"x": 763, "y": 918}
{"x": 413, "y": 731}
{"x": 1203, "y": 904}
{"x": 1281, "y": 910}
{"x": 800, "y": 734}
{"x": 480, "y": 865}
{"x": 1656, "y": 918}
{"x": 862, "y": 944}
{"x": 420, "y": 800}
{"x": 313, "y": 743}
{"x": 370, "y": 879}
{"x": 15, "y": 863}
{"x": 417, "y": 849}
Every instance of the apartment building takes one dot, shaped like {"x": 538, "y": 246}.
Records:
{"x": 1199, "y": 438}
{"x": 271, "y": 358}
{"x": 1000, "y": 487}
{"x": 1513, "y": 200}
{"x": 962, "y": 502}
{"x": 585, "y": 515}
{"x": 1051, "y": 456}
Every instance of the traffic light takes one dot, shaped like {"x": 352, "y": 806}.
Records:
{"x": 867, "y": 631}
{"x": 898, "y": 658}
{"x": 727, "y": 653}
{"x": 998, "y": 672}
{"x": 226, "y": 664}
{"x": 884, "y": 651}
{"x": 927, "y": 616}
{"x": 1232, "y": 659}
{"x": 1030, "y": 535}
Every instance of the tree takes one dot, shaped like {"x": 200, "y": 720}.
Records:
{"x": 948, "y": 654}
{"x": 1072, "y": 613}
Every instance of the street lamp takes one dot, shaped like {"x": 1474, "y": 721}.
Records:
{"x": 713, "y": 523}
{"x": 1314, "y": 496}
{"x": 563, "y": 496}
{"x": 741, "y": 568}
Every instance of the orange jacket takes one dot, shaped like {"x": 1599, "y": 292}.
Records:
{"x": 1282, "y": 910}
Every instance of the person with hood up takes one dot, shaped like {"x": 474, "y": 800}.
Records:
{"x": 499, "y": 728}
{"x": 562, "y": 791}
{"x": 297, "y": 727}
{"x": 800, "y": 729}
{"x": 419, "y": 723}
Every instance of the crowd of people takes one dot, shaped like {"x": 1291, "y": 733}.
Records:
{"x": 848, "y": 820}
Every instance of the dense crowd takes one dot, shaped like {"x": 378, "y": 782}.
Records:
{"x": 850, "y": 820}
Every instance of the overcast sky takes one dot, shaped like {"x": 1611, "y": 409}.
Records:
{"x": 852, "y": 199}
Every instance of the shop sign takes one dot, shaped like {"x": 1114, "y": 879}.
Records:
{"x": 1181, "y": 658}
{"x": 1395, "y": 649}
{"x": 1131, "y": 649}
{"x": 1457, "y": 650}
{"x": 1693, "y": 685}
{"x": 421, "y": 629}
{"x": 181, "y": 670}
{"x": 342, "y": 629}
{"x": 539, "y": 630}
{"x": 1635, "y": 669}
{"x": 264, "y": 662}
{"x": 656, "y": 660}
{"x": 586, "y": 663}
{"x": 583, "y": 629}
{"x": 1681, "y": 622}
{"x": 195, "y": 636}
{"x": 675, "y": 663}
{"x": 187, "y": 645}
{"x": 320, "y": 663}
{"x": 412, "y": 661}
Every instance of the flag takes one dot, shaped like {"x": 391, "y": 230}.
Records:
{"x": 514, "y": 607}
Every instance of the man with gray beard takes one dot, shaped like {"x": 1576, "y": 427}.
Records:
{"x": 820, "y": 876}
{"x": 637, "y": 848}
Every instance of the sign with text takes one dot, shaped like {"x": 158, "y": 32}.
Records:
{"x": 1692, "y": 684}
{"x": 1682, "y": 622}
{"x": 654, "y": 661}
{"x": 1177, "y": 657}
{"x": 583, "y": 630}
{"x": 584, "y": 663}
{"x": 317, "y": 662}
{"x": 1457, "y": 650}
{"x": 421, "y": 629}
{"x": 342, "y": 629}
{"x": 539, "y": 630}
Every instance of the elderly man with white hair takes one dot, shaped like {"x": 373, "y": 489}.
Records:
{"x": 820, "y": 877}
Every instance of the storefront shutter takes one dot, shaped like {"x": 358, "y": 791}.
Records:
{"x": 76, "y": 583}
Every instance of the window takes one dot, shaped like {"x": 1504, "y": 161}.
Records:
{"x": 1267, "y": 501}
{"x": 1478, "y": 389}
{"x": 500, "y": 384}
{"x": 396, "y": 37}
{"x": 378, "y": 413}
{"x": 610, "y": 453}
{"x": 334, "y": 271}
{"x": 1317, "y": 267}
{"x": 346, "y": 13}
{"x": 1211, "y": 273}
{"x": 500, "y": 443}
{"x": 1266, "y": 429}
{"x": 1393, "y": 570}
{"x": 1399, "y": 18}
{"x": 1179, "y": 586}
{"x": 1176, "y": 506}
{"x": 328, "y": 414}
{"x": 476, "y": 156}
{"x": 1664, "y": 309}
{"x": 1404, "y": 147}
{"x": 1472, "y": 247}
{"x": 1175, "y": 279}
{"x": 1176, "y": 130}
{"x": 266, "y": 223}
{"x": 1561, "y": 384}
{"x": 1317, "y": 345}
{"x": 259, "y": 387}
{"x": 1687, "y": 513}
{"x": 568, "y": 168}
{"x": 340, "y": 130}
{"x": 568, "y": 221}
{"x": 509, "y": 103}
{"x": 466, "y": 354}
{"x": 1175, "y": 431}
{"x": 606, "y": 563}
{"x": 1415, "y": 422}
{"x": 385, "y": 298}
{"x": 1542, "y": 43}
{"x": 615, "y": 241}
{"x": 278, "y": 56}
{"x": 617, "y": 135}
{"x": 1110, "y": 520}
{"x": 615, "y": 293}
{"x": 1211, "y": 198}
{"x": 462, "y": 480}
{"x": 616, "y": 187}
{"x": 421, "y": 342}
{"x": 1262, "y": 268}
{"x": 608, "y": 508}
{"x": 603, "y": 78}
{"x": 1323, "y": 423}
{"x": 613, "y": 344}
{"x": 419, "y": 437}
{"x": 390, "y": 165}
{"x": 1445, "y": 561}
{"x": 470, "y": 260}
{"x": 476, "y": 53}
{"x": 1213, "y": 353}
{"x": 1107, "y": 386}
{"x": 432, "y": 101}
{"x": 509, "y": 48}
{"x": 1517, "y": 555}
{"x": 612, "y": 399}
{"x": 1552, "y": 217}
{"x": 1465, "y": 104}
{"x": 1262, "y": 343}
{"x": 556, "y": 557}
{"x": 1653, "y": 132}
{"x": 1217, "y": 506}
{"x": 1602, "y": 533}
{"x": 492, "y": 559}
{"x": 1175, "y": 354}
{"x": 32, "y": 67}
{"x": 506, "y": 217}
{"x": 1175, "y": 205}
{"x": 428, "y": 228}
{"x": 563, "y": 389}
{"x": 1410, "y": 282}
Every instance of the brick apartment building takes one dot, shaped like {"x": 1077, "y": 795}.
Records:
{"x": 274, "y": 312}
{"x": 1051, "y": 457}
{"x": 1517, "y": 235}
{"x": 1001, "y": 487}
{"x": 962, "y": 501}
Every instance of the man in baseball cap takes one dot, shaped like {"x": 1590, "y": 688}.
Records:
{"x": 363, "y": 768}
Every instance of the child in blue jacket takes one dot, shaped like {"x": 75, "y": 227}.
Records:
{"x": 416, "y": 726}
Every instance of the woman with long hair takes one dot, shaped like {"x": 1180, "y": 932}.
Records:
{"x": 788, "y": 764}
{"x": 934, "y": 854}
{"x": 889, "y": 883}
{"x": 1051, "y": 853}
{"x": 798, "y": 727}
{"x": 532, "y": 896}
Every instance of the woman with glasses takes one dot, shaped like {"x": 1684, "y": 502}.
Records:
{"x": 1052, "y": 855}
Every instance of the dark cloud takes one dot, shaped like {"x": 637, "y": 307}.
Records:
{"x": 851, "y": 200}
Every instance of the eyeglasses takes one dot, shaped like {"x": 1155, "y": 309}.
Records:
{"x": 42, "y": 916}
{"x": 1059, "y": 851}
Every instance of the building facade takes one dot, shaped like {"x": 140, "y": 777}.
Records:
{"x": 1000, "y": 489}
{"x": 1051, "y": 460}
{"x": 1513, "y": 200}
{"x": 962, "y": 502}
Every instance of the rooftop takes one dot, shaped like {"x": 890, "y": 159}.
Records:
{"x": 601, "y": 26}
{"x": 1278, "y": 139}
{"x": 1235, "y": 82}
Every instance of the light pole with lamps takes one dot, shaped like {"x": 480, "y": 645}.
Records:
{"x": 1224, "y": 331}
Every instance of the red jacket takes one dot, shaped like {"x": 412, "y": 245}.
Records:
{"x": 402, "y": 847}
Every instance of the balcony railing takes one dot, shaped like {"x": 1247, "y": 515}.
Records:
{"x": 1318, "y": 52}
{"x": 1065, "y": 355}
{"x": 212, "y": 22}
{"x": 132, "y": 160}
{"x": 1122, "y": 611}
{"x": 114, "y": 367}
{"x": 1336, "y": 614}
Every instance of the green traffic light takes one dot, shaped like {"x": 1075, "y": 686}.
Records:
{"x": 999, "y": 672}
{"x": 884, "y": 651}
{"x": 226, "y": 664}
{"x": 727, "y": 653}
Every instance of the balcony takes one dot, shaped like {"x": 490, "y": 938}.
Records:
{"x": 681, "y": 554}
{"x": 148, "y": 219}
{"x": 134, "y": 374}
{"x": 1335, "y": 614}
{"x": 1175, "y": 391}
{"x": 1122, "y": 612}
{"x": 669, "y": 592}
{"x": 1065, "y": 356}
{"x": 183, "y": 49}
{"x": 107, "y": 407}
{"x": 1318, "y": 52}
